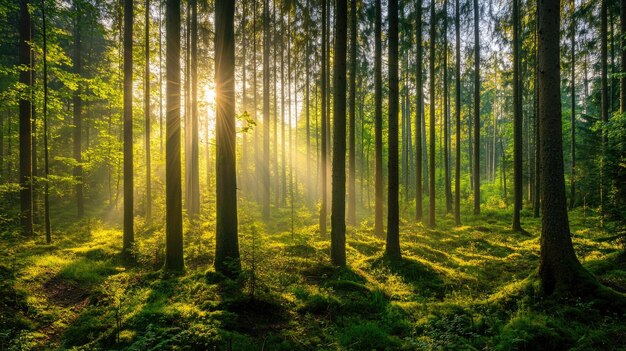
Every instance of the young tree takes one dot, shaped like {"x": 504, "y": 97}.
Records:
{"x": 392, "y": 249}
{"x": 476, "y": 123}
{"x": 572, "y": 202}
{"x": 604, "y": 100}
{"x": 128, "y": 126}
{"x": 25, "y": 59}
{"x": 77, "y": 113}
{"x": 378, "y": 120}
{"x": 226, "y": 238}
{"x": 431, "y": 209}
{"x": 173, "y": 192}
{"x": 517, "y": 123}
{"x": 446, "y": 112}
{"x": 338, "y": 209}
{"x": 419, "y": 106}
{"x": 46, "y": 191}
{"x": 352, "y": 129}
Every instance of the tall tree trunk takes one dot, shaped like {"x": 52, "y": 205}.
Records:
{"x": 446, "y": 112}
{"x": 147, "y": 115}
{"x": 324, "y": 150}
{"x": 282, "y": 112}
{"x": 266, "y": 112}
{"x": 476, "y": 109}
{"x": 622, "y": 80}
{"x": 351, "y": 217}
{"x": 77, "y": 111}
{"x": 26, "y": 185}
{"x": 457, "y": 104}
{"x": 338, "y": 208}
{"x": 227, "y": 246}
{"x": 275, "y": 107}
{"x": 378, "y": 120}
{"x": 559, "y": 269}
{"x": 419, "y": 106}
{"x": 392, "y": 248}
{"x": 517, "y": 122}
{"x": 307, "y": 97}
{"x": 46, "y": 191}
{"x": 537, "y": 200}
{"x": 431, "y": 209}
{"x": 244, "y": 137}
{"x": 128, "y": 127}
{"x": 604, "y": 101}
{"x": 572, "y": 202}
{"x": 173, "y": 192}
{"x": 194, "y": 208}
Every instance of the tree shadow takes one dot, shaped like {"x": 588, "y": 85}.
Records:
{"x": 424, "y": 280}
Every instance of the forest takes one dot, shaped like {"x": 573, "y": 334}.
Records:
{"x": 312, "y": 175}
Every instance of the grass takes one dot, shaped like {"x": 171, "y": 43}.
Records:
{"x": 456, "y": 288}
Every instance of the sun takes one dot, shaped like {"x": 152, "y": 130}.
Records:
{"x": 209, "y": 94}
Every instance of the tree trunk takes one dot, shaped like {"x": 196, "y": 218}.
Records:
{"x": 378, "y": 120}
{"x": 517, "y": 122}
{"x": 476, "y": 110}
{"x": 604, "y": 102}
{"x": 265, "y": 167}
{"x": 46, "y": 191}
{"x": 128, "y": 127}
{"x": 227, "y": 246}
{"x": 457, "y": 91}
{"x": 419, "y": 106}
{"x": 351, "y": 217}
{"x": 78, "y": 122}
{"x": 194, "y": 207}
{"x": 446, "y": 113}
{"x": 392, "y": 248}
{"x": 26, "y": 185}
{"x": 324, "y": 145}
{"x": 173, "y": 192}
{"x": 572, "y": 199}
{"x": 622, "y": 80}
{"x": 147, "y": 115}
{"x": 431, "y": 209}
{"x": 559, "y": 269}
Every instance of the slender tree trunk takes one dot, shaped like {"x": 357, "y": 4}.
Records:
{"x": 537, "y": 185}
{"x": 194, "y": 208}
{"x": 161, "y": 78}
{"x": 266, "y": 112}
{"x": 128, "y": 127}
{"x": 244, "y": 138}
{"x": 173, "y": 192}
{"x": 446, "y": 112}
{"x": 517, "y": 122}
{"x": 431, "y": 209}
{"x": 622, "y": 80}
{"x": 476, "y": 109}
{"x": 25, "y": 59}
{"x": 559, "y": 269}
{"x": 419, "y": 106}
{"x": 604, "y": 102}
{"x": 282, "y": 112}
{"x": 307, "y": 97}
{"x": 351, "y": 218}
{"x": 78, "y": 122}
{"x": 46, "y": 191}
{"x": 572, "y": 202}
{"x": 227, "y": 246}
{"x": 378, "y": 120}
{"x": 324, "y": 150}
{"x": 392, "y": 248}
{"x": 275, "y": 108}
{"x": 457, "y": 104}
{"x": 147, "y": 116}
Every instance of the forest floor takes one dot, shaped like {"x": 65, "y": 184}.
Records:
{"x": 456, "y": 288}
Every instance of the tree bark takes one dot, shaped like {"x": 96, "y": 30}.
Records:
{"x": 46, "y": 191}
{"x": 431, "y": 207}
{"x": 351, "y": 216}
{"x": 128, "y": 127}
{"x": 194, "y": 208}
{"x": 77, "y": 115}
{"x": 457, "y": 92}
{"x": 25, "y": 108}
{"x": 378, "y": 120}
{"x": 266, "y": 113}
{"x": 147, "y": 115}
{"x": 419, "y": 106}
{"x": 572, "y": 202}
{"x": 227, "y": 246}
{"x": 476, "y": 110}
{"x": 517, "y": 123}
{"x": 173, "y": 192}
{"x": 324, "y": 151}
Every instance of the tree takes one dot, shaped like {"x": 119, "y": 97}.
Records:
{"x": 517, "y": 123}
{"x": 324, "y": 151}
{"x": 128, "y": 126}
{"x": 378, "y": 120}
{"x": 194, "y": 206}
{"x": 604, "y": 100}
{"x": 338, "y": 209}
{"x": 392, "y": 249}
{"x": 431, "y": 207}
{"x": 46, "y": 201}
{"x": 146, "y": 88}
{"x": 419, "y": 106}
{"x": 226, "y": 238}
{"x": 352, "y": 107}
{"x": 173, "y": 192}
{"x": 446, "y": 112}
{"x": 476, "y": 123}
{"x": 457, "y": 104}
{"x": 622, "y": 80}
{"x": 573, "y": 104}
{"x": 77, "y": 113}
{"x": 265, "y": 181}
{"x": 559, "y": 269}
{"x": 25, "y": 59}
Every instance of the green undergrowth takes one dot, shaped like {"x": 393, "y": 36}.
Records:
{"x": 456, "y": 288}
